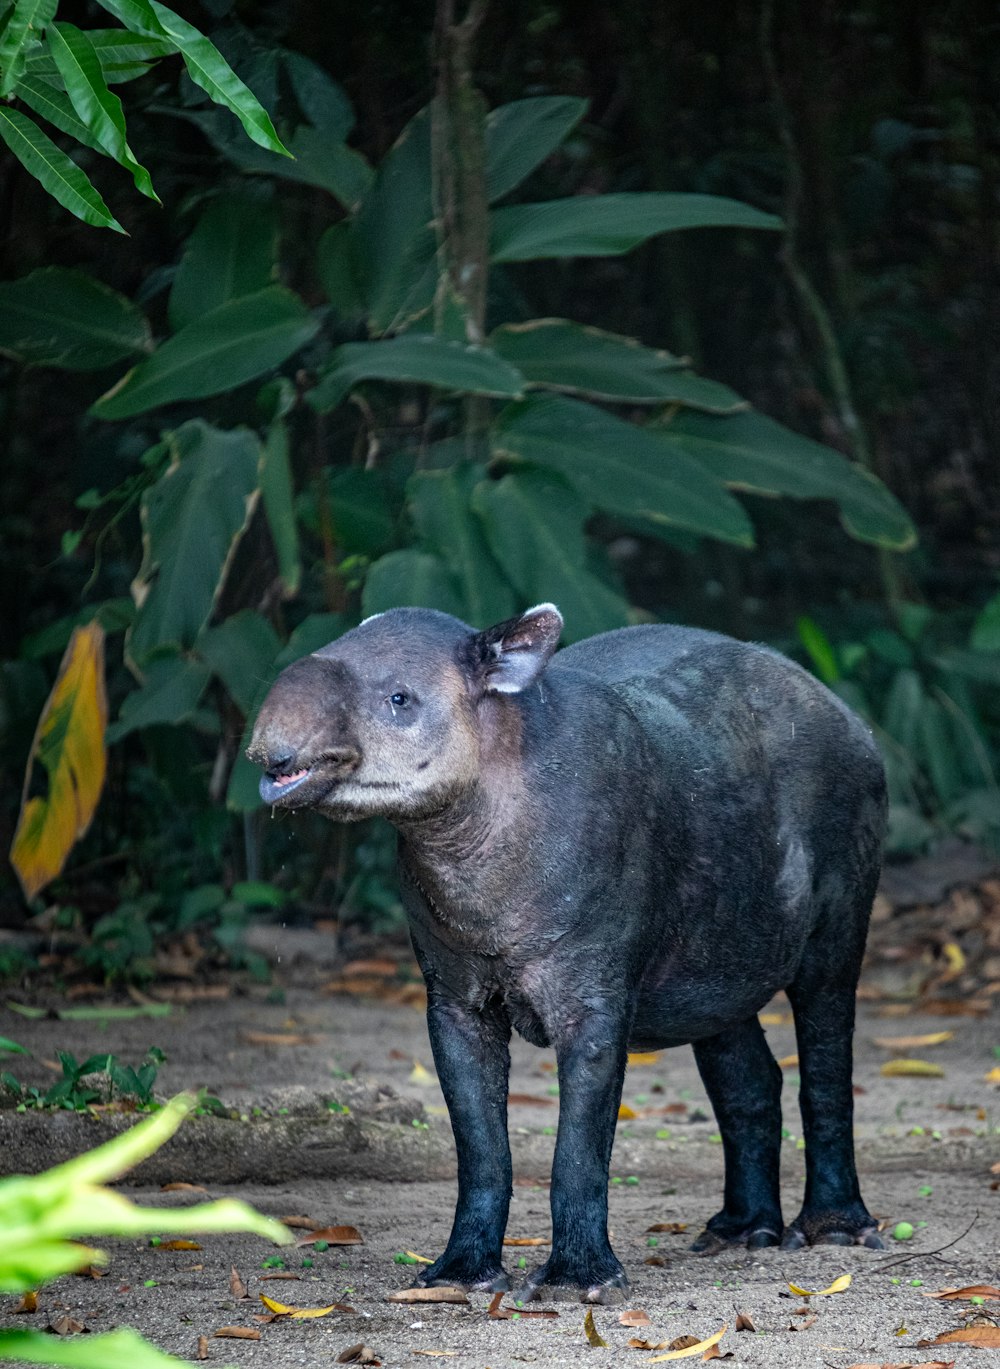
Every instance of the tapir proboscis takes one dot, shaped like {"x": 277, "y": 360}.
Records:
{"x": 631, "y": 844}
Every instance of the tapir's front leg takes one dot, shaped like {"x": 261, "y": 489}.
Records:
{"x": 591, "y": 1055}
{"x": 471, "y": 1052}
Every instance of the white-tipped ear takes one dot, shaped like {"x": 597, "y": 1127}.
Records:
{"x": 514, "y": 653}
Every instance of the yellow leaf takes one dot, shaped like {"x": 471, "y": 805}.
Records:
{"x": 421, "y": 1075}
{"x": 955, "y": 957}
{"x": 698, "y": 1349}
{"x": 420, "y": 1259}
{"x": 774, "y": 1019}
{"x": 69, "y": 742}
{"x": 839, "y": 1284}
{"x": 625, "y": 1113}
{"x": 788, "y": 1062}
{"x": 643, "y": 1057}
{"x": 909, "y": 1043}
{"x": 591, "y": 1331}
{"x": 992, "y": 1076}
{"x": 923, "y": 1069}
{"x": 282, "y": 1309}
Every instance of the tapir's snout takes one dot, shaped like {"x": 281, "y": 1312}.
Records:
{"x": 300, "y": 739}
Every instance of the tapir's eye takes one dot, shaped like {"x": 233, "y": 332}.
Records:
{"x": 400, "y": 699}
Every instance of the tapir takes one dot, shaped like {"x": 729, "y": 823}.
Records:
{"x": 632, "y": 843}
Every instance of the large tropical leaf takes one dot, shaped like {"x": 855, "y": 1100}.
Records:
{"x": 193, "y": 518}
{"x": 100, "y": 109}
{"x": 69, "y": 743}
{"x": 395, "y": 246}
{"x": 520, "y": 135}
{"x": 607, "y": 225}
{"x": 26, "y": 22}
{"x": 52, "y": 103}
{"x": 122, "y": 55}
{"x": 534, "y": 524}
{"x": 418, "y": 358}
{"x": 57, "y": 317}
{"x": 171, "y": 689}
{"x": 336, "y": 268}
{"x": 121, "y": 1349}
{"x": 554, "y": 354}
{"x": 278, "y": 495}
{"x": 749, "y": 451}
{"x": 230, "y": 254}
{"x": 619, "y": 467}
{"x": 440, "y": 504}
{"x": 240, "y": 651}
{"x": 239, "y": 341}
{"x": 410, "y": 578}
{"x": 54, "y": 171}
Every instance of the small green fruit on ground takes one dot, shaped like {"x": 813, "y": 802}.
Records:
{"x": 902, "y": 1231}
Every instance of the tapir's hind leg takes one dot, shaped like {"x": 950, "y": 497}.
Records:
{"x": 822, "y": 997}
{"x": 744, "y": 1084}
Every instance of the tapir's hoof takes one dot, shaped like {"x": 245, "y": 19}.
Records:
{"x": 756, "y": 1238}
{"x": 558, "y": 1283}
{"x": 487, "y": 1281}
{"x": 799, "y": 1235}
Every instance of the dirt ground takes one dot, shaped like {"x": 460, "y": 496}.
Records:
{"x": 335, "y": 1115}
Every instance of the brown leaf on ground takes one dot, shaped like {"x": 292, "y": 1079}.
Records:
{"x": 191, "y": 993}
{"x": 986, "y": 1337}
{"x": 656, "y": 1260}
{"x": 180, "y": 1187}
{"x": 674, "y": 1228}
{"x": 28, "y": 1303}
{"x": 256, "y": 1038}
{"x": 974, "y": 1290}
{"x": 529, "y": 1100}
{"x": 281, "y": 1274}
{"x": 333, "y": 1235}
{"x": 380, "y": 966}
{"x": 180, "y": 1243}
{"x": 955, "y": 1007}
{"x": 445, "y": 1294}
{"x": 909, "y": 1043}
{"x": 744, "y": 1322}
{"x": 634, "y": 1316}
{"x": 90, "y": 1271}
{"x": 713, "y": 1352}
{"x": 908, "y": 1364}
{"x": 436, "y": 1354}
{"x": 643, "y": 1057}
{"x": 66, "y": 1326}
{"x": 202, "y": 1351}
{"x": 358, "y": 986}
{"x": 591, "y": 1332}
{"x": 236, "y": 1285}
{"x": 804, "y": 1325}
{"x": 683, "y": 1343}
{"x": 498, "y": 1313}
{"x": 237, "y": 1333}
{"x": 293, "y": 1313}
{"x": 301, "y": 1223}
{"x": 647, "y": 1345}
{"x": 526, "y": 1240}
{"x": 358, "y": 1354}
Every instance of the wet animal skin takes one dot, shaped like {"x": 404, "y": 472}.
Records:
{"x": 630, "y": 843}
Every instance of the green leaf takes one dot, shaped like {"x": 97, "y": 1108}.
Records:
{"x": 55, "y": 172}
{"x": 27, "y": 22}
{"x": 279, "y": 505}
{"x": 235, "y": 343}
{"x": 193, "y": 518}
{"x": 231, "y": 253}
{"x": 554, "y": 354}
{"x": 360, "y": 511}
{"x": 55, "y": 105}
{"x": 171, "y": 689}
{"x": 209, "y": 69}
{"x": 751, "y": 452}
{"x": 986, "y": 628}
{"x": 903, "y": 705}
{"x": 439, "y": 501}
{"x": 114, "y": 47}
{"x": 608, "y": 225}
{"x": 619, "y": 467}
{"x": 820, "y": 651}
{"x": 335, "y": 265}
{"x": 323, "y": 102}
{"x": 58, "y": 317}
{"x": 240, "y": 652}
{"x": 80, "y": 68}
{"x": 416, "y": 358}
{"x": 534, "y": 524}
{"x": 938, "y": 751}
{"x": 520, "y": 135}
{"x": 395, "y": 246}
{"x": 409, "y": 578}
{"x": 122, "y": 1349}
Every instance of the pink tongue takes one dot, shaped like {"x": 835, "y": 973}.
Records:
{"x": 280, "y": 780}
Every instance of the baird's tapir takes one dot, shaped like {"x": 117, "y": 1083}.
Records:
{"x": 632, "y": 844}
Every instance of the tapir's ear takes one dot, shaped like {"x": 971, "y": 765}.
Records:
{"x": 511, "y": 656}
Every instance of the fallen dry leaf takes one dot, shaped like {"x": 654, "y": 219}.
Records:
{"x": 626, "y": 1114}
{"x": 974, "y": 1290}
{"x": 333, "y": 1235}
{"x": 281, "y": 1274}
{"x": 305, "y": 1223}
{"x": 183, "y": 1188}
{"x": 179, "y": 1244}
{"x": 805, "y": 1325}
{"x": 992, "y": 1076}
{"x": 421, "y": 1075}
{"x": 591, "y": 1332}
{"x": 656, "y": 1260}
{"x": 282, "y": 1309}
{"x": 910, "y": 1043}
{"x": 255, "y": 1038}
{"x": 28, "y": 1303}
{"x": 529, "y": 1100}
{"x": 202, "y": 1351}
{"x": 713, "y": 1352}
{"x": 744, "y": 1322}
{"x": 90, "y": 1271}
{"x": 955, "y": 957}
{"x": 643, "y": 1057}
{"x": 66, "y": 1326}
{"x": 379, "y": 966}
{"x": 788, "y": 1062}
{"x": 922, "y": 1069}
{"x": 634, "y": 1316}
{"x": 647, "y": 1345}
{"x": 908, "y": 1364}
{"x": 675, "y": 1228}
{"x": 436, "y": 1354}
{"x": 358, "y": 1354}
{"x": 236, "y": 1285}
{"x": 237, "y": 1333}
{"x": 526, "y": 1240}
{"x": 839, "y": 1284}
{"x": 774, "y": 1019}
{"x": 986, "y": 1337}
{"x": 692, "y": 1347}
{"x": 417, "y": 1259}
{"x": 499, "y": 1313}
{"x": 955, "y": 1007}
{"x": 445, "y": 1294}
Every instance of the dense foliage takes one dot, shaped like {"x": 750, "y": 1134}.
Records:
{"x": 310, "y": 388}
